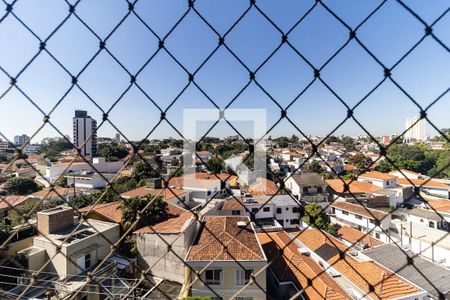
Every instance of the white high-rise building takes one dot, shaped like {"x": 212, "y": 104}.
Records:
{"x": 85, "y": 129}
{"x": 20, "y": 140}
{"x": 416, "y": 132}
{"x": 117, "y": 138}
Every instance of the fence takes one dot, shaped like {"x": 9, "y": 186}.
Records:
{"x": 91, "y": 284}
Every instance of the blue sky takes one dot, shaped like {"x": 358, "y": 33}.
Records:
{"x": 388, "y": 34}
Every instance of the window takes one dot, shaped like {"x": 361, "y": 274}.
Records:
{"x": 319, "y": 189}
{"x": 87, "y": 261}
{"x": 377, "y": 235}
{"x": 421, "y": 220}
{"x": 235, "y": 212}
{"x": 358, "y": 217}
{"x": 243, "y": 276}
{"x": 431, "y": 224}
{"x": 266, "y": 209}
{"x": 209, "y": 193}
{"x": 372, "y": 221}
{"x": 287, "y": 208}
{"x": 345, "y": 213}
{"x": 213, "y": 277}
{"x": 295, "y": 221}
{"x": 296, "y": 209}
{"x": 254, "y": 210}
{"x": 278, "y": 210}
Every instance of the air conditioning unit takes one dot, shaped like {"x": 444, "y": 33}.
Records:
{"x": 241, "y": 224}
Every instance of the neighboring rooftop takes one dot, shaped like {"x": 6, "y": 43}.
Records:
{"x": 308, "y": 179}
{"x": 166, "y": 194}
{"x": 56, "y": 192}
{"x": 355, "y": 187}
{"x": 299, "y": 269}
{"x": 425, "y": 274}
{"x": 424, "y": 213}
{"x": 217, "y": 231}
{"x": 263, "y": 186}
{"x": 371, "y": 278}
{"x": 421, "y": 182}
{"x": 360, "y": 210}
{"x": 6, "y": 202}
{"x": 377, "y": 175}
{"x": 178, "y": 219}
{"x": 355, "y": 236}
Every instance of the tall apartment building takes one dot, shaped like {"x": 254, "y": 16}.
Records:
{"x": 85, "y": 133}
{"x": 418, "y": 131}
{"x": 20, "y": 140}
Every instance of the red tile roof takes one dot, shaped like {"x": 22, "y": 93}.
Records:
{"x": 386, "y": 285}
{"x": 167, "y": 194}
{"x": 353, "y": 235}
{"x": 292, "y": 266}
{"x": 355, "y": 187}
{"x": 377, "y": 175}
{"x": 57, "y": 191}
{"x": 360, "y": 210}
{"x": 12, "y": 200}
{"x": 218, "y": 231}
{"x": 421, "y": 182}
{"x": 440, "y": 205}
{"x": 263, "y": 186}
{"x": 110, "y": 211}
{"x": 177, "y": 218}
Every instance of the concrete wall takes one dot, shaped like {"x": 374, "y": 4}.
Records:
{"x": 152, "y": 249}
{"x": 365, "y": 222}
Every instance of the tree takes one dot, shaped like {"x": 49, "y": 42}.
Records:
{"x": 142, "y": 170}
{"x": 149, "y": 213}
{"x": 359, "y": 160}
{"x": 349, "y": 176}
{"x": 51, "y": 148}
{"x": 216, "y": 164}
{"x": 348, "y": 143}
{"x": 30, "y": 208}
{"x": 20, "y": 186}
{"x": 113, "y": 151}
{"x": 83, "y": 200}
{"x": 314, "y": 216}
{"x": 313, "y": 167}
{"x": 61, "y": 181}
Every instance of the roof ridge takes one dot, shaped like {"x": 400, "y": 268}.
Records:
{"x": 241, "y": 243}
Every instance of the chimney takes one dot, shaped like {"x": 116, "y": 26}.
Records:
{"x": 54, "y": 219}
{"x": 154, "y": 183}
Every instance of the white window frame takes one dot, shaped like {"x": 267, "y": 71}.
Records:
{"x": 239, "y": 276}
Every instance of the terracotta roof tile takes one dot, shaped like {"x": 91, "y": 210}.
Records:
{"x": 353, "y": 235}
{"x": 55, "y": 193}
{"x": 361, "y": 273}
{"x": 110, "y": 211}
{"x": 360, "y": 210}
{"x": 377, "y": 175}
{"x": 292, "y": 266}
{"x": 421, "y": 182}
{"x": 263, "y": 186}
{"x": 218, "y": 231}
{"x": 174, "y": 224}
{"x": 12, "y": 200}
{"x": 440, "y": 205}
{"x": 167, "y": 194}
{"x": 355, "y": 187}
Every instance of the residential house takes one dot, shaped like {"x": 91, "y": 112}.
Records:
{"x": 163, "y": 246}
{"x": 308, "y": 187}
{"x": 380, "y": 179}
{"x": 227, "y": 272}
{"x": 50, "y": 174}
{"x": 201, "y": 190}
{"x": 429, "y": 187}
{"x": 403, "y": 173}
{"x": 352, "y": 237}
{"x": 296, "y": 274}
{"x": 56, "y": 194}
{"x": 361, "y": 277}
{"x": 368, "y": 220}
{"x": 65, "y": 250}
{"x": 270, "y": 212}
{"x": 427, "y": 217}
{"x": 11, "y": 202}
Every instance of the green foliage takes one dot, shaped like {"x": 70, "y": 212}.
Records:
{"x": 316, "y": 217}
{"x": 61, "y": 181}
{"x": 20, "y": 186}
{"x": 5, "y": 158}
{"x": 113, "y": 151}
{"x": 332, "y": 139}
{"x": 128, "y": 246}
{"x": 176, "y": 152}
{"x": 216, "y": 164}
{"x": 349, "y": 176}
{"x": 348, "y": 143}
{"x": 151, "y": 214}
{"x": 52, "y": 147}
{"x": 152, "y": 150}
{"x": 82, "y": 200}
{"x": 313, "y": 167}
{"x": 282, "y": 142}
{"x": 359, "y": 160}
{"x": 142, "y": 170}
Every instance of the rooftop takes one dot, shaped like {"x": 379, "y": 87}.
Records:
{"x": 291, "y": 266}
{"x": 6, "y": 202}
{"x": 424, "y": 213}
{"x": 263, "y": 186}
{"x": 217, "y": 231}
{"x": 308, "y": 179}
{"x": 355, "y": 187}
{"x": 377, "y": 175}
{"x": 57, "y": 191}
{"x": 178, "y": 219}
{"x": 371, "y": 278}
{"x": 421, "y": 182}
{"x": 360, "y": 210}
{"x": 425, "y": 274}
{"x": 353, "y": 236}
{"x": 166, "y": 193}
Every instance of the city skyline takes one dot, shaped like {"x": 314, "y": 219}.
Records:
{"x": 351, "y": 74}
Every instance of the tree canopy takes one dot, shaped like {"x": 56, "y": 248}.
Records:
{"x": 113, "y": 151}
{"x": 20, "y": 186}
{"x": 139, "y": 206}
